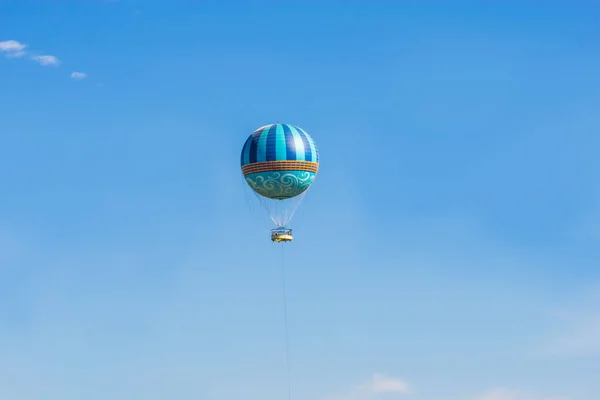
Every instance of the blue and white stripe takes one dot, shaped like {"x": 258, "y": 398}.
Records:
{"x": 279, "y": 142}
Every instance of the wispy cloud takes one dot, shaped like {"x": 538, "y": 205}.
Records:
{"x": 13, "y": 48}
{"x": 384, "y": 384}
{"x": 78, "y": 75}
{"x": 47, "y": 60}
{"x": 511, "y": 394}
{"x": 378, "y": 384}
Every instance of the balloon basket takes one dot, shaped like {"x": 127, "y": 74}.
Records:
{"x": 281, "y": 235}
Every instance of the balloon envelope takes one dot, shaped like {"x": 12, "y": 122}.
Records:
{"x": 279, "y": 161}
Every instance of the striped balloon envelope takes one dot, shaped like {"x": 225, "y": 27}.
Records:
{"x": 279, "y": 161}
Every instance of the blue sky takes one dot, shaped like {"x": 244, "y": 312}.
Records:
{"x": 448, "y": 250}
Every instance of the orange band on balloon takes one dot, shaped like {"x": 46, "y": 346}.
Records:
{"x": 285, "y": 165}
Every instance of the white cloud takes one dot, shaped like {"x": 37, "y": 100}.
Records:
{"x": 510, "y": 394}
{"x": 383, "y": 384}
{"x": 13, "y": 48}
{"x": 11, "y": 45}
{"x": 78, "y": 75}
{"x": 378, "y": 384}
{"x": 46, "y": 60}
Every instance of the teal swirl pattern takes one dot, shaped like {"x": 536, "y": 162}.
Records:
{"x": 280, "y": 185}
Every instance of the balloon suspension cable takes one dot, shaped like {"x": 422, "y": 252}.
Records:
{"x": 280, "y": 212}
{"x": 285, "y": 318}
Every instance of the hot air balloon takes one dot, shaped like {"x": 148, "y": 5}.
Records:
{"x": 280, "y": 163}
